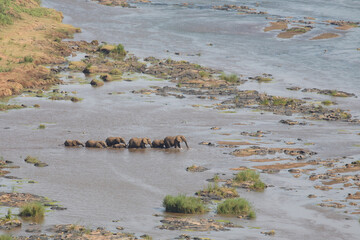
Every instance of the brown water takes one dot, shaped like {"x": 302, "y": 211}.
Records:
{"x": 101, "y": 185}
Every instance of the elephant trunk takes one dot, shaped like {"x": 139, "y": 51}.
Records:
{"x": 186, "y": 143}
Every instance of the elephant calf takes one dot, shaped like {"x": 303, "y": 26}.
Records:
{"x": 73, "y": 143}
{"x": 139, "y": 142}
{"x": 95, "y": 144}
{"x": 111, "y": 141}
{"x": 174, "y": 141}
{"x": 158, "y": 144}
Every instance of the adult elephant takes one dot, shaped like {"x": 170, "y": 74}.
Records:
{"x": 139, "y": 142}
{"x": 95, "y": 144}
{"x": 111, "y": 141}
{"x": 73, "y": 143}
{"x": 174, "y": 141}
{"x": 158, "y": 144}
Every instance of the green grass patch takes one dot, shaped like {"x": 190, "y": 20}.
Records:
{"x": 183, "y": 204}
{"x": 229, "y": 78}
{"x": 236, "y": 206}
{"x": 6, "y": 237}
{"x": 33, "y": 209}
{"x": 327, "y": 103}
{"x": 250, "y": 176}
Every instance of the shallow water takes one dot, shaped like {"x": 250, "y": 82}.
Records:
{"x": 99, "y": 186}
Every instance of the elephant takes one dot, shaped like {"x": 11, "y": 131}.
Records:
{"x": 174, "y": 141}
{"x": 111, "y": 141}
{"x": 119, "y": 145}
{"x": 73, "y": 143}
{"x": 158, "y": 144}
{"x": 95, "y": 144}
{"x": 139, "y": 142}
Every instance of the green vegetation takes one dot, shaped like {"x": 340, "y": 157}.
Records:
{"x": 4, "y": 107}
{"x": 115, "y": 71}
{"x": 327, "y": 102}
{"x": 120, "y": 50}
{"x": 33, "y": 209}
{"x": 203, "y": 74}
{"x": 216, "y": 178}
{"x": 297, "y": 30}
{"x": 6, "y": 237}
{"x": 263, "y": 79}
{"x": 8, "y": 216}
{"x": 236, "y": 206}
{"x": 42, "y": 126}
{"x": 28, "y": 59}
{"x": 215, "y": 190}
{"x": 229, "y": 78}
{"x": 278, "y": 101}
{"x": 32, "y": 160}
{"x": 252, "y": 177}
{"x": 11, "y": 10}
{"x": 183, "y": 204}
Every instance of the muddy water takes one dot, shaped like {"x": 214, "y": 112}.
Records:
{"x": 99, "y": 186}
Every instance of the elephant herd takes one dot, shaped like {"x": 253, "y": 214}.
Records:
{"x": 119, "y": 142}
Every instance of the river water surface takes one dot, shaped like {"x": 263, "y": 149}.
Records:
{"x": 100, "y": 186}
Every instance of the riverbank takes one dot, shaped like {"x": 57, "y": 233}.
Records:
{"x": 30, "y": 37}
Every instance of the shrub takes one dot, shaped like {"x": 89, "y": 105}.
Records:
{"x": 183, "y": 204}
{"x": 250, "y": 176}
{"x": 42, "y": 126}
{"x": 236, "y": 206}
{"x": 33, "y": 209}
{"x": 120, "y": 50}
{"x": 28, "y": 59}
{"x": 229, "y": 78}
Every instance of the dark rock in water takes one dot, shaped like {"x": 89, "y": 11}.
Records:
{"x": 195, "y": 168}
{"x": 9, "y": 224}
{"x": 291, "y": 122}
{"x": 58, "y": 208}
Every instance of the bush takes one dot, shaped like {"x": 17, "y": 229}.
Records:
{"x": 250, "y": 176}
{"x": 33, "y": 209}
{"x": 229, "y": 78}
{"x": 42, "y": 126}
{"x": 119, "y": 49}
{"x": 183, "y": 204}
{"x": 28, "y": 59}
{"x": 236, "y": 206}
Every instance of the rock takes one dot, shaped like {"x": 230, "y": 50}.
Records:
{"x": 106, "y": 77}
{"x": 195, "y": 168}
{"x": 270, "y": 233}
{"x": 9, "y": 224}
{"x": 312, "y": 196}
{"x": 96, "y": 83}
